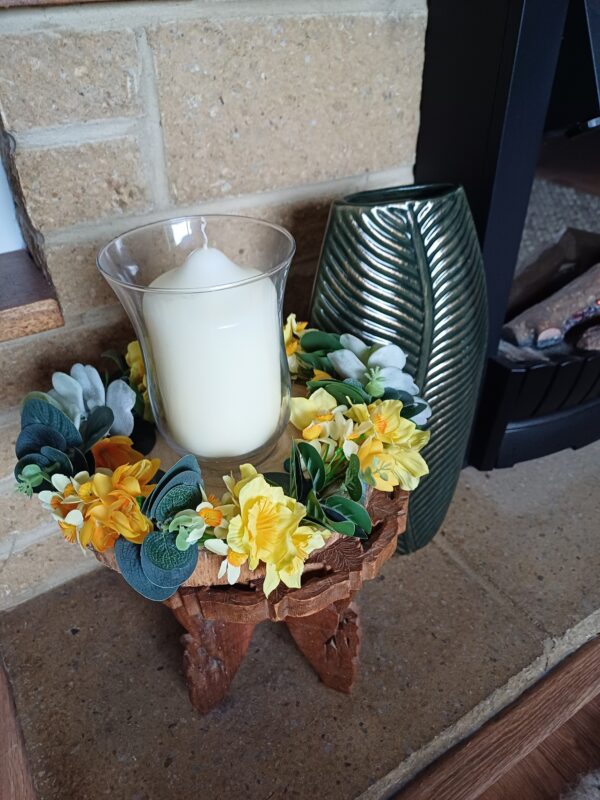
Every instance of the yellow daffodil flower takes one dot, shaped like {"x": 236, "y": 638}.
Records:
{"x": 382, "y": 419}
{"x": 268, "y": 529}
{"x": 303, "y": 410}
{"x": 291, "y": 337}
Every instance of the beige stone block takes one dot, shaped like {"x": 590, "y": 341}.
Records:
{"x": 8, "y": 437}
{"x": 78, "y": 283}
{"x": 59, "y": 77}
{"x": 19, "y": 514}
{"x": 255, "y": 104}
{"x": 532, "y": 531}
{"x": 41, "y": 567}
{"x": 64, "y": 186}
{"x": 27, "y": 364}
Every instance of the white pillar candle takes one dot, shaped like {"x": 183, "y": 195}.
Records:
{"x": 216, "y": 355}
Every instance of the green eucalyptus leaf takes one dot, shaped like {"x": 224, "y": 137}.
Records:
{"x": 314, "y": 464}
{"x": 181, "y": 541}
{"x": 319, "y": 340}
{"x": 128, "y": 556}
{"x": 60, "y": 459}
{"x": 177, "y": 498}
{"x": 45, "y": 398}
{"x": 33, "y": 437}
{"x": 171, "y": 477}
{"x": 163, "y": 563}
{"x": 39, "y": 411}
{"x": 96, "y": 426}
{"x": 351, "y": 510}
{"x": 187, "y": 478}
{"x": 352, "y": 481}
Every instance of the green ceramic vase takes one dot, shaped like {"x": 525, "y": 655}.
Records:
{"x": 403, "y": 265}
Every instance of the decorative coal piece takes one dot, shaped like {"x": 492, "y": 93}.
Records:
{"x": 590, "y": 339}
{"x": 552, "y": 267}
{"x": 547, "y": 323}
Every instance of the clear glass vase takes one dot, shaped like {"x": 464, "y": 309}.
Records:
{"x": 205, "y": 296}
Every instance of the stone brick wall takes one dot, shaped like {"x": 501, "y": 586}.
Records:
{"x": 124, "y": 113}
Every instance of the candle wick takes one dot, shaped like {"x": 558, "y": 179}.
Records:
{"x": 203, "y": 233}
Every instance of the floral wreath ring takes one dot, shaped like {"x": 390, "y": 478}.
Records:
{"x": 362, "y": 424}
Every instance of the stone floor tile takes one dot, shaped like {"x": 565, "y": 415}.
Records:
{"x": 533, "y": 531}
{"x": 102, "y": 666}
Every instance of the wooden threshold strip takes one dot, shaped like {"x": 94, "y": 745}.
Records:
{"x": 27, "y": 301}
{"x": 15, "y": 777}
{"x": 34, "y": 3}
{"x": 472, "y": 767}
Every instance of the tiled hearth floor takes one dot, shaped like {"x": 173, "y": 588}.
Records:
{"x": 450, "y": 636}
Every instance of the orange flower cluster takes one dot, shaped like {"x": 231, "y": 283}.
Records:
{"x": 106, "y": 504}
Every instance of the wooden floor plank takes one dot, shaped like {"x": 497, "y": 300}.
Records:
{"x": 15, "y": 777}
{"x": 471, "y": 768}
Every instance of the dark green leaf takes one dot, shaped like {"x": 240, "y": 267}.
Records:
{"x": 411, "y": 411}
{"x": 128, "y": 557}
{"x": 300, "y": 486}
{"x": 33, "y": 437}
{"x": 163, "y": 563}
{"x": 116, "y": 357}
{"x": 337, "y": 522}
{"x": 39, "y": 411}
{"x": 143, "y": 435}
{"x": 397, "y": 394}
{"x": 351, "y": 510}
{"x": 316, "y": 361}
{"x": 314, "y": 464}
{"x": 96, "y": 426}
{"x": 314, "y": 510}
{"x": 319, "y": 340}
{"x": 352, "y": 480}
{"x": 279, "y": 479}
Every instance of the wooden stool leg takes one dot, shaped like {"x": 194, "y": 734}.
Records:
{"x": 330, "y": 641}
{"x": 213, "y": 653}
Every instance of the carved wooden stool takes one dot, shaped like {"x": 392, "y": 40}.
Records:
{"x": 320, "y": 616}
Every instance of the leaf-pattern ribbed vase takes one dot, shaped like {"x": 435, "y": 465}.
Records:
{"x": 403, "y": 265}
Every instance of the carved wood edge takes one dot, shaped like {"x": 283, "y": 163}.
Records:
{"x": 248, "y": 605}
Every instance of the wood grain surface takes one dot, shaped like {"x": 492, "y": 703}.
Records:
{"x": 15, "y": 777}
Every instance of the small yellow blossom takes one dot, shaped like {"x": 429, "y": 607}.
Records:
{"x": 388, "y": 466}
{"x": 291, "y": 337}
{"x": 137, "y": 375}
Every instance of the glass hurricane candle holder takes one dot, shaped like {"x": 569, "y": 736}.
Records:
{"x": 205, "y": 297}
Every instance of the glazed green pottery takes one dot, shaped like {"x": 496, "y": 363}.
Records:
{"x": 403, "y": 265}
